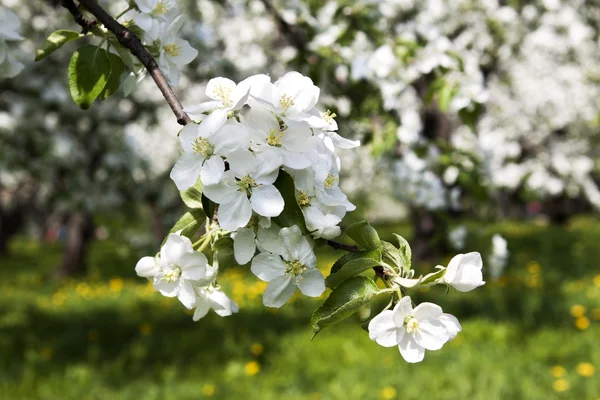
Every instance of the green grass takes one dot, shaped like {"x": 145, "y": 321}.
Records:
{"x": 109, "y": 336}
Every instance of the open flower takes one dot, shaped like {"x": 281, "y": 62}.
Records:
{"x": 290, "y": 264}
{"x": 425, "y": 327}
{"x": 212, "y": 297}
{"x": 174, "y": 51}
{"x": 464, "y": 272}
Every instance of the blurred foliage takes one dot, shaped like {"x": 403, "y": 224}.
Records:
{"x": 532, "y": 334}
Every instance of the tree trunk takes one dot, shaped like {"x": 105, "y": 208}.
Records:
{"x": 10, "y": 222}
{"x": 158, "y": 227}
{"x": 80, "y": 231}
{"x": 429, "y": 239}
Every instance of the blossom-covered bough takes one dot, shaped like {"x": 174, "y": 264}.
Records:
{"x": 260, "y": 173}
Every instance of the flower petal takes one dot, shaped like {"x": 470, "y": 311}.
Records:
{"x": 186, "y": 170}
{"x": 410, "y": 350}
{"x": 212, "y": 170}
{"x": 175, "y": 246}
{"x": 236, "y": 213}
{"x": 384, "y": 331}
{"x": 278, "y": 291}
{"x": 186, "y": 294}
{"x": 267, "y": 201}
{"x": 243, "y": 245}
{"x": 311, "y": 282}
{"x": 402, "y": 310}
{"x": 193, "y": 266}
{"x": 222, "y": 304}
{"x": 147, "y": 267}
{"x": 267, "y": 266}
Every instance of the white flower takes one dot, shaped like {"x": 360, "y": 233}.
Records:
{"x": 289, "y": 265}
{"x": 464, "y": 272}
{"x": 247, "y": 186}
{"x": 293, "y": 95}
{"x": 499, "y": 256}
{"x": 226, "y": 96}
{"x": 9, "y": 30}
{"x": 152, "y": 14}
{"x": 413, "y": 331}
{"x": 212, "y": 297}
{"x": 203, "y": 151}
{"x": 177, "y": 270}
{"x": 174, "y": 51}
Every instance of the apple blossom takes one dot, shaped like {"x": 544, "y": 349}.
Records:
{"x": 464, "y": 272}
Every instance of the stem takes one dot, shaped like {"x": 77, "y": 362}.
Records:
{"x": 123, "y": 12}
{"x": 342, "y": 246}
{"x": 129, "y": 40}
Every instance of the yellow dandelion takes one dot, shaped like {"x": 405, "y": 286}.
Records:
{"x": 596, "y": 313}
{"x": 208, "y": 389}
{"x": 146, "y": 329}
{"x": 558, "y": 371}
{"x": 585, "y": 369}
{"x": 578, "y": 311}
{"x": 534, "y": 267}
{"x": 115, "y": 285}
{"x": 597, "y": 280}
{"x": 315, "y": 396}
{"x": 591, "y": 293}
{"x": 582, "y": 323}
{"x": 256, "y": 349}
{"x": 252, "y": 368}
{"x": 47, "y": 353}
{"x": 388, "y": 393}
{"x": 560, "y": 385}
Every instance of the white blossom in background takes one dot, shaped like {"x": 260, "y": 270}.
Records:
{"x": 425, "y": 327}
{"x": 10, "y": 26}
{"x": 457, "y": 237}
{"x": 499, "y": 256}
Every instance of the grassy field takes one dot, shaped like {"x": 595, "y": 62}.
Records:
{"x": 533, "y": 334}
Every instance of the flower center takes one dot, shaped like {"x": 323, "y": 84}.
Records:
{"x": 162, "y": 8}
{"x": 172, "y": 49}
{"x": 330, "y": 181}
{"x": 302, "y": 198}
{"x": 328, "y": 116}
{"x": 173, "y": 274}
{"x": 285, "y": 102}
{"x": 294, "y": 267}
{"x": 223, "y": 94}
{"x": 411, "y": 324}
{"x": 274, "y": 138}
{"x": 246, "y": 184}
{"x": 202, "y": 146}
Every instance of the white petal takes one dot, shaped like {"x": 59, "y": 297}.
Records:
{"x": 188, "y": 135}
{"x": 452, "y": 325}
{"x": 212, "y": 170}
{"x": 278, "y": 291}
{"x": 297, "y": 246}
{"x": 432, "y": 334}
{"x": 402, "y": 310}
{"x": 186, "y": 53}
{"x": 198, "y": 109}
{"x": 222, "y": 304}
{"x": 295, "y": 160}
{"x": 147, "y": 267}
{"x": 231, "y": 136}
{"x": 235, "y": 214}
{"x": 384, "y": 331}
{"x": 224, "y": 191}
{"x": 202, "y": 308}
{"x": 410, "y": 350}
{"x": 175, "y": 246}
{"x": 213, "y": 122}
{"x": 267, "y": 201}
{"x": 217, "y": 85}
{"x": 167, "y": 289}
{"x": 242, "y": 162}
{"x": 311, "y": 282}
{"x": 267, "y": 266}
{"x": 186, "y": 170}
{"x": 269, "y": 239}
{"x": 186, "y": 294}
{"x": 427, "y": 311}
{"x": 193, "y": 266}
{"x": 243, "y": 245}
{"x": 342, "y": 142}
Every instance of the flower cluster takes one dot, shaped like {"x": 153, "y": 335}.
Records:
{"x": 426, "y": 327}
{"x": 181, "y": 272}
{"x": 9, "y": 31}
{"x": 160, "y": 22}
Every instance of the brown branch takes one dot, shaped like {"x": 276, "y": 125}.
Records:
{"x": 73, "y": 8}
{"x": 129, "y": 40}
{"x": 290, "y": 32}
{"x": 342, "y": 246}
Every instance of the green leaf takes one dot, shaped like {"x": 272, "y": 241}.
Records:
{"x": 224, "y": 245}
{"x": 55, "y": 41}
{"x": 89, "y": 71}
{"x": 434, "y": 276}
{"x": 445, "y": 96}
{"x": 354, "y": 267}
{"x": 189, "y": 223}
{"x": 364, "y": 235}
{"x": 114, "y": 81}
{"x": 405, "y": 251}
{"x": 372, "y": 254}
{"x": 392, "y": 256}
{"x": 208, "y": 206}
{"x": 193, "y": 196}
{"x": 469, "y": 115}
{"x": 291, "y": 214}
{"x": 346, "y": 299}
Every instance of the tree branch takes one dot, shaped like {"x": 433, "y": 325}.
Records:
{"x": 342, "y": 246}
{"x": 86, "y": 25}
{"x": 129, "y": 40}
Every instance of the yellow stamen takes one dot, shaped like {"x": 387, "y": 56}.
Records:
{"x": 172, "y": 49}
{"x": 285, "y": 102}
{"x": 274, "y": 138}
{"x": 328, "y": 116}
{"x": 302, "y": 198}
{"x": 202, "y": 146}
{"x": 295, "y": 267}
{"x": 246, "y": 184}
{"x": 223, "y": 94}
{"x": 330, "y": 181}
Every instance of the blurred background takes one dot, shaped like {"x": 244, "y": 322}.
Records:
{"x": 479, "y": 123}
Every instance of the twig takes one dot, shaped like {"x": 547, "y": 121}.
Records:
{"x": 129, "y": 40}
{"x": 86, "y": 25}
{"x": 293, "y": 35}
{"x": 342, "y": 246}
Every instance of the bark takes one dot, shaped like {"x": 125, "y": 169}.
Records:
{"x": 430, "y": 233}
{"x": 80, "y": 231}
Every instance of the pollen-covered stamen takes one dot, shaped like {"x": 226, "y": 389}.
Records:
{"x": 285, "y": 102}
{"x": 274, "y": 138}
{"x": 330, "y": 181}
{"x": 246, "y": 184}
{"x": 328, "y": 116}
{"x": 411, "y": 324}
{"x": 224, "y": 94}
{"x": 172, "y": 49}
{"x": 294, "y": 267}
{"x": 202, "y": 146}
{"x": 162, "y": 8}
{"x": 173, "y": 274}
{"x": 302, "y": 198}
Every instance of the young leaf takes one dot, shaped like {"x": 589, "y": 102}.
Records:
{"x": 364, "y": 235}
{"x": 89, "y": 71}
{"x": 392, "y": 256}
{"x": 445, "y": 96}
{"x": 55, "y": 41}
{"x": 291, "y": 214}
{"x": 114, "y": 81}
{"x": 193, "y": 196}
{"x": 189, "y": 223}
{"x": 353, "y": 268}
{"x": 405, "y": 250}
{"x": 346, "y": 299}
{"x": 372, "y": 254}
